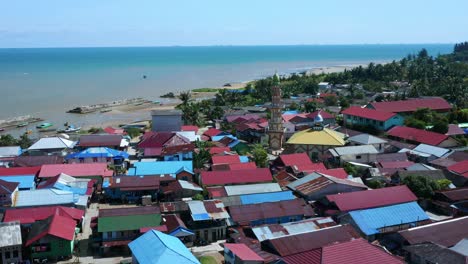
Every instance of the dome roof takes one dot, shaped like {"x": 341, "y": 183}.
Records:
{"x": 318, "y": 118}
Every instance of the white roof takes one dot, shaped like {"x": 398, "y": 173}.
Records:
{"x": 264, "y": 232}
{"x": 190, "y": 135}
{"x": 10, "y": 234}
{"x": 10, "y": 151}
{"x": 419, "y": 167}
{"x": 124, "y": 143}
{"x": 353, "y": 150}
{"x": 366, "y": 139}
{"x": 461, "y": 247}
{"x": 432, "y": 150}
{"x": 252, "y": 188}
{"x": 189, "y": 186}
{"x": 52, "y": 143}
{"x": 44, "y": 197}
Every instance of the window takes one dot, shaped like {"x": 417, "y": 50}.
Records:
{"x": 7, "y": 255}
{"x": 380, "y": 123}
{"x": 358, "y": 157}
{"x": 197, "y": 234}
{"x": 205, "y": 235}
{"x": 15, "y": 253}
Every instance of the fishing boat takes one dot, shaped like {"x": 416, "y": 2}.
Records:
{"x": 69, "y": 129}
{"x": 105, "y": 110}
{"x": 22, "y": 124}
{"x": 44, "y": 125}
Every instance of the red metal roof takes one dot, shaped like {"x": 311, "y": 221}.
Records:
{"x": 454, "y": 130}
{"x": 216, "y": 192}
{"x": 236, "y": 176}
{"x": 218, "y": 150}
{"x": 153, "y": 151}
{"x": 8, "y": 188}
{"x": 454, "y": 195}
{"x": 295, "y": 159}
{"x": 155, "y": 139}
{"x": 244, "y": 214}
{"x": 212, "y": 132}
{"x": 100, "y": 140}
{"x": 357, "y": 251}
{"x": 445, "y": 233}
{"x": 114, "y": 131}
{"x": 324, "y": 114}
{"x": 161, "y": 228}
{"x": 19, "y": 171}
{"x": 59, "y": 226}
{"x": 313, "y": 256}
{"x": 395, "y": 164}
{"x": 417, "y": 135}
{"x": 75, "y": 170}
{"x": 189, "y": 128}
{"x": 243, "y": 166}
{"x": 372, "y": 198}
{"x": 36, "y": 161}
{"x": 310, "y": 167}
{"x": 243, "y": 252}
{"x": 460, "y": 168}
{"x": 146, "y": 182}
{"x": 31, "y": 215}
{"x": 293, "y": 244}
{"x": 368, "y": 113}
{"x": 412, "y": 105}
{"x": 339, "y": 173}
{"x": 226, "y": 159}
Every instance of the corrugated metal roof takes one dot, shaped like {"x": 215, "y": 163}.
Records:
{"x": 395, "y": 164}
{"x": 17, "y": 171}
{"x": 207, "y": 210}
{"x": 417, "y": 135}
{"x": 226, "y": 159}
{"x": 25, "y": 182}
{"x": 357, "y": 251}
{"x": 371, "y": 220}
{"x": 317, "y": 181}
{"x": 160, "y": 168}
{"x": 391, "y": 157}
{"x": 55, "y": 225}
{"x": 10, "y": 234}
{"x": 141, "y": 210}
{"x": 190, "y": 186}
{"x": 354, "y": 150}
{"x": 75, "y": 170}
{"x": 33, "y": 161}
{"x": 432, "y": 150}
{"x": 372, "y": 198}
{"x": 445, "y": 233}
{"x": 52, "y": 143}
{"x": 366, "y": 139}
{"x": 368, "y": 113}
{"x": 280, "y": 230}
{"x": 411, "y": 105}
{"x": 252, "y": 188}
{"x": 10, "y": 151}
{"x": 123, "y": 181}
{"x": 236, "y": 177}
{"x": 267, "y": 197}
{"x": 100, "y": 140}
{"x": 158, "y": 248}
{"x": 313, "y": 256}
{"x": 127, "y": 222}
{"x": 457, "y": 194}
{"x": 243, "y": 252}
{"x": 293, "y": 244}
{"x": 325, "y": 137}
{"x": 44, "y": 197}
{"x": 31, "y": 215}
{"x": 460, "y": 168}
{"x": 294, "y": 159}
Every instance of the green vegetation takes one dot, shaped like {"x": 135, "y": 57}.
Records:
{"x": 421, "y": 186}
{"x": 95, "y": 130}
{"x": 198, "y": 197}
{"x": 260, "y": 156}
{"x": 425, "y": 117}
{"x": 350, "y": 169}
{"x": 375, "y": 184}
{"x": 168, "y": 95}
{"x": 133, "y": 132}
{"x": 205, "y": 90}
{"x": 201, "y": 155}
{"x": 8, "y": 140}
{"x": 207, "y": 260}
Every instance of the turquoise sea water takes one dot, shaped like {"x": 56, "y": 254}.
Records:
{"x": 46, "y": 82}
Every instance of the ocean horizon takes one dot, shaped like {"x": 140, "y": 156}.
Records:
{"x": 45, "y": 82}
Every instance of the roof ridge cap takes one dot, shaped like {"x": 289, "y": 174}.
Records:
{"x": 170, "y": 248}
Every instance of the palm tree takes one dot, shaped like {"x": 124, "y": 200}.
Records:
{"x": 185, "y": 97}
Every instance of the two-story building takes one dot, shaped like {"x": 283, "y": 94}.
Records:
{"x": 366, "y": 117}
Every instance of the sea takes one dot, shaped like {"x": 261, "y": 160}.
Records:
{"x": 45, "y": 82}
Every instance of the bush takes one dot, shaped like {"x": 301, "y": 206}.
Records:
{"x": 375, "y": 184}
{"x": 133, "y": 132}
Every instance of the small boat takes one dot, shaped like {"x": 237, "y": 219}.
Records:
{"x": 22, "y": 124}
{"x": 44, "y": 125}
{"x": 156, "y": 102}
{"x": 105, "y": 110}
{"x": 49, "y": 129}
{"x": 144, "y": 76}
{"x": 2, "y": 129}
{"x": 69, "y": 129}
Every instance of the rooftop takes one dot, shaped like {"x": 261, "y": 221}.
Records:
{"x": 417, "y": 135}
{"x": 160, "y": 168}
{"x": 368, "y": 113}
{"x": 460, "y": 168}
{"x": 132, "y": 183}
{"x": 366, "y": 139}
{"x": 127, "y": 222}
{"x": 31, "y": 215}
{"x": 10, "y": 234}
{"x": 294, "y": 159}
{"x": 432, "y": 150}
{"x": 100, "y": 140}
{"x": 55, "y": 225}
{"x": 317, "y": 181}
{"x": 372, "y": 198}
{"x": 44, "y": 197}
{"x": 236, "y": 177}
{"x": 243, "y": 252}
{"x": 324, "y": 137}
{"x": 411, "y": 105}
{"x": 207, "y": 210}
{"x": 252, "y": 188}
{"x": 15, "y": 171}
{"x": 13, "y": 151}
{"x": 52, "y": 143}
{"x": 354, "y": 150}
{"x": 434, "y": 253}
{"x": 33, "y": 161}
{"x": 75, "y": 170}
{"x": 128, "y": 211}
{"x": 267, "y": 197}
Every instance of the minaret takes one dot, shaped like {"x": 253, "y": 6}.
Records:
{"x": 275, "y": 124}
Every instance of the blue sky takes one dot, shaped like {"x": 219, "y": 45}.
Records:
{"x": 67, "y": 23}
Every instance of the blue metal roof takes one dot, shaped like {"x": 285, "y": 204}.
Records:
{"x": 98, "y": 152}
{"x": 219, "y": 137}
{"x": 291, "y": 112}
{"x": 160, "y": 167}
{"x": 158, "y": 248}
{"x": 267, "y": 197}
{"x": 181, "y": 232}
{"x": 370, "y": 220}
{"x": 25, "y": 181}
{"x": 244, "y": 159}
{"x": 200, "y": 217}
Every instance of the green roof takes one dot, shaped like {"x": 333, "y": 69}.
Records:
{"x": 128, "y": 222}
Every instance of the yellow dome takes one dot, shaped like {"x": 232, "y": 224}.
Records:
{"x": 325, "y": 137}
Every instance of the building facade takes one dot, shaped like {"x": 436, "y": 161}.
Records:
{"x": 275, "y": 124}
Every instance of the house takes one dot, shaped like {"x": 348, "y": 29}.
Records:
{"x": 212, "y": 132}
{"x": 8, "y": 192}
{"x": 459, "y": 173}
{"x": 166, "y": 120}
{"x": 454, "y": 130}
{"x": 120, "y": 226}
{"x": 236, "y": 190}
{"x": 270, "y": 213}
{"x": 51, "y": 146}
{"x": 451, "y": 202}
{"x": 432, "y": 253}
{"x": 158, "y": 248}
{"x": 445, "y": 233}
{"x": 229, "y": 159}
{"x": 317, "y": 185}
{"x": 273, "y": 231}
{"x": 36, "y": 161}
{"x": 233, "y": 177}
{"x": 131, "y": 188}
{"x": 365, "y": 117}
{"x": 96, "y": 171}
{"x": 208, "y": 219}
{"x": 366, "y": 139}
{"x": 114, "y": 131}
{"x": 351, "y": 201}
{"x": 418, "y": 136}
{"x": 257, "y": 198}
{"x": 45, "y": 197}
{"x": 360, "y": 154}
{"x": 411, "y": 105}
{"x": 101, "y": 141}
{"x": 425, "y": 153}
{"x": 167, "y": 146}
{"x": 98, "y": 155}
{"x": 52, "y": 238}
{"x": 355, "y": 251}
{"x": 315, "y": 239}
{"x": 252, "y": 131}
{"x": 314, "y": 142}
{"x": 373, "y": 222}
{"x": 10, "y": 243}
{"x": 180, "y": 170}
{"x": 189, "y": 128}
{"x": 8, "y": 154}
{"x": 26, "y": 182}
{"x": 177, "y": 190}
{"x": 28, "y": 216}
{"x": 240, "y": 254}
{"x": 324, "y": 85}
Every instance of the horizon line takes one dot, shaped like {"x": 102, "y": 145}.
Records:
{"x": 229, "y": 45}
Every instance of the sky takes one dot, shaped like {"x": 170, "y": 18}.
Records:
{"x": 93, "y": 23}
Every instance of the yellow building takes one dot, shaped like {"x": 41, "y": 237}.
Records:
{"x": 315, "y": 142}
